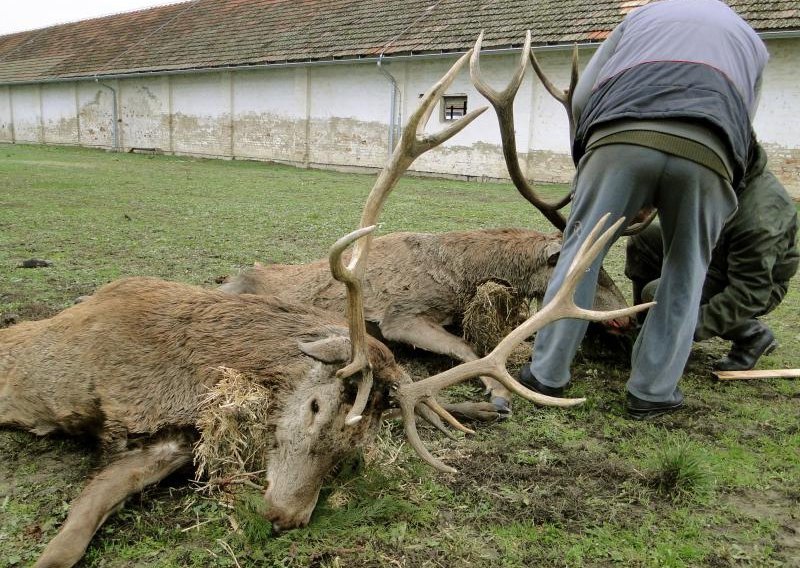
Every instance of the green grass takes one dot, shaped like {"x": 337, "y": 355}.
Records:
{"x": 717, "y": 484}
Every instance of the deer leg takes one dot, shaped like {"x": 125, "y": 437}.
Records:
{"x": 106, "y": 492}
{"x": 424, "y": 334}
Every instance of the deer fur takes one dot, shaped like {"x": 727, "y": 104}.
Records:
{"x": 130, "y": 364}
{"x": 416, "y": 284}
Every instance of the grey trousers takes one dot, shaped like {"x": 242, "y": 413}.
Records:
{"x": 693, "y": 204}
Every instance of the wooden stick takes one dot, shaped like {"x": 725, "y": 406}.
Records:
{"x": 760, "y": 374}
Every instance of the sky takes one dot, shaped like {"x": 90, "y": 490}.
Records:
{"x": 20, "y": 15}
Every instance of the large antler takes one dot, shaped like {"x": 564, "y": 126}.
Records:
{"x": 413, "y": 142}
{"x": 494, "y": 364}
{"x": 503, "y": 103}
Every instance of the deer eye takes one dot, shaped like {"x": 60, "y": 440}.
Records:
{"x": 314, "y": 406}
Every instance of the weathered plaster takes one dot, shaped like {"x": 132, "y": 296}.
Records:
{"x": 94, "y": 114}
{"x": 6, "y": 117}
{"x": 338, "y": 115}
{"x": 144, "y": 113}
{"x": 59, "y": 119}
{"x": 27, "y": 109}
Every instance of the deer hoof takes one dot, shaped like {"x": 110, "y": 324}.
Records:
{"x": 502, "y": 406}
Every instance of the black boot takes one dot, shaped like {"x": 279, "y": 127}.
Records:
{"x": 639, "y": 409}
{"x": 529, "y": 381}
{"x": 750, "y": 342}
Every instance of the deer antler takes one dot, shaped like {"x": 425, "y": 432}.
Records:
{"x": 503, "y": 103}
{"x": 413, "y": 142}
{"x": 562, "y": 96}
{"x": 494, "y": 364}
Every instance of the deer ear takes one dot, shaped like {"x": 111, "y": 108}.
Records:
{"x": 551, "y": 252}
{"x": 330, "y": 350}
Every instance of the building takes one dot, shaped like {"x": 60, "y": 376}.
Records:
{"x": 326, "y": 83}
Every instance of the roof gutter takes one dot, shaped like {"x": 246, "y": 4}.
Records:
{"x": 344, "y": 61}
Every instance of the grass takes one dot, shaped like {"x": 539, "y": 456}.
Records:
{"x": 550, "y": 487}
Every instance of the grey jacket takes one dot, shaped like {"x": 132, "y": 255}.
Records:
{"x": 693, "y": 60}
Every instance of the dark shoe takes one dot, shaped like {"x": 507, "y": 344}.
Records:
{"x": 639, "y": 409}
{"x": 529, "y": 381}
{"x": 748, "y": 349}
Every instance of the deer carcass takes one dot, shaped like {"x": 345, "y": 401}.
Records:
{"x": 417, "y": 284}
{"x": 134, "y": 360}
{"x": 132, "y": 363}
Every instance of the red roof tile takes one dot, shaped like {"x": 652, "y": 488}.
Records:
{"x": 217, "y": 33}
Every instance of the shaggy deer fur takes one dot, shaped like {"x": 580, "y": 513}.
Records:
{"x": 133, "y": 361}
{"x": 418, "y": 283}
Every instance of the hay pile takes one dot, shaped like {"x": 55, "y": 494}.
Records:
{"x": 234, "y": 432}
{"x": 494, "y": 310}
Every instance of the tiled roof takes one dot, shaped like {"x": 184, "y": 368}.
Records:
{"x": 216, "y": 33}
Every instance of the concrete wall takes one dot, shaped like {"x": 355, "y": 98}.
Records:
{"x": 337, "y": 115}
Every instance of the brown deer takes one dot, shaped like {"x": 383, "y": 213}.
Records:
{"x": 130, "y": 364}
{"x": 417, "y": 284}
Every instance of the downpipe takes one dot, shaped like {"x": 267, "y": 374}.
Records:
{"x": 394, "y": 118}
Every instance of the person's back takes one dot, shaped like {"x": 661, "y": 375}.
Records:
{"x": 690, "y": 31}
{"x": 690, "y": 68}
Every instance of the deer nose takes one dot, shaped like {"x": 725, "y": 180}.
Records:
{"x": 619, "y": 325}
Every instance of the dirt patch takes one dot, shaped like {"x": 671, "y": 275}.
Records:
{"x": 779, "y": 507}
{"x": 571, "y": 487}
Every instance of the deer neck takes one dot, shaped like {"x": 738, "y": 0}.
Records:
{"x": 516, "y": 256}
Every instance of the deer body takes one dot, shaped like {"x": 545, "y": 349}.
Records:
{"x": 130, "y": 363}
{"x": 415, "y": 284}
{"x": 134, "y": 360}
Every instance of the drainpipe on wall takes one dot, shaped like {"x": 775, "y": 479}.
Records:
{"x": 394, "y": 118}
{"x": 114, "y": 117}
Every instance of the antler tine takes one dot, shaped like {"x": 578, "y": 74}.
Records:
{"x": 562, "y": 96}
{"x": 412, "y": 144}
{"x": 503, "y": 103}
{"x": 494, "y": 364}
{"x": 637, "y": 228}
{"x": 355, "y": 316}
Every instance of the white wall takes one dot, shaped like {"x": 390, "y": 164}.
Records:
{"x": 337, "y": 115}
{"x": 59, "y": 113}
{"x": 26, "y": 104}
{"x": 6, "y": 119}
{"x": 777, "y": 121}
{"x": 94, "y": 113}
{"x": 144, "y": 112}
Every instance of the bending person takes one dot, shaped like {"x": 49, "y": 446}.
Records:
{"x": 663, "y": 119}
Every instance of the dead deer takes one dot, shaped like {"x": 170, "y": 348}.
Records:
{"x": 417, "y": 284}
{"x": 131, "y": 364}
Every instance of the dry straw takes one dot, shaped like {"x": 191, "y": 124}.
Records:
{"x": 234, "y": 432}
{"x": 494, "y": 310}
